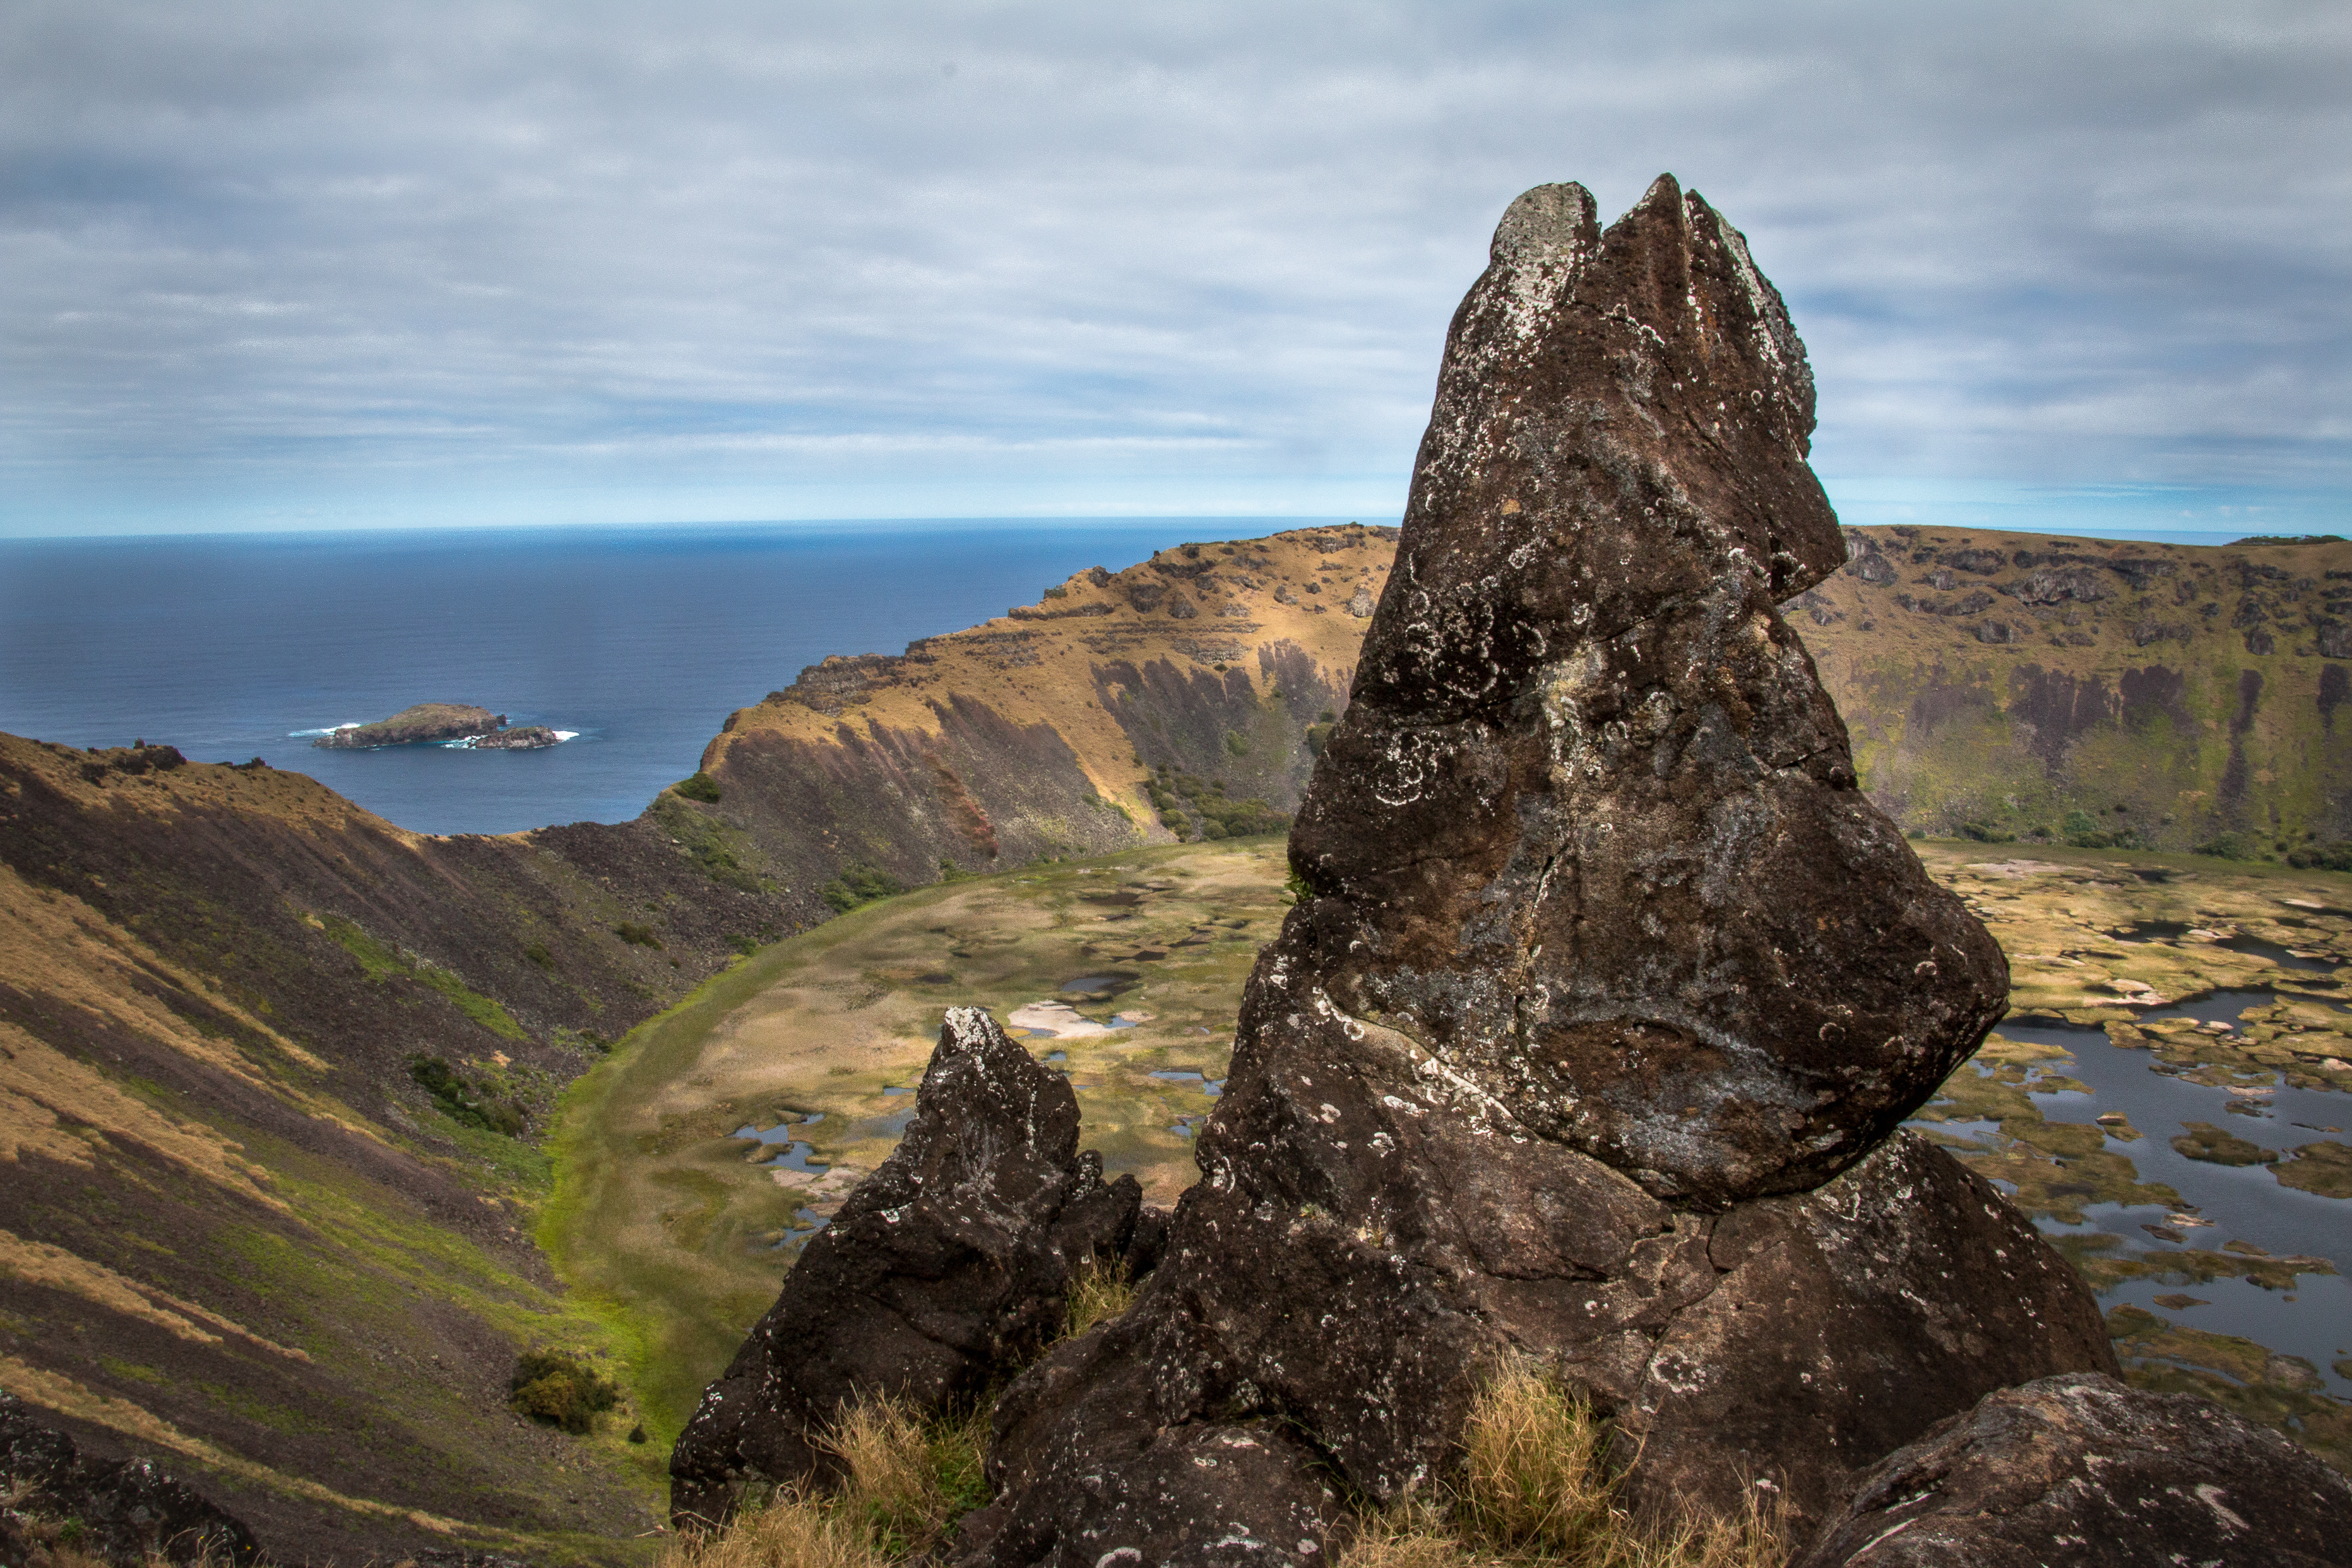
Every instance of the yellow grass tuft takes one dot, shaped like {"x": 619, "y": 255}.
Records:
{"x": 1536, "y": 1490}
{"x": 1099, "y": 1292}
{"x": 1533, "y": 1472}
{"x": 905, "y": 1480}
{"x": 793, "y": 1530}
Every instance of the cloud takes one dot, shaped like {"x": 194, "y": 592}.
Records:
{"x": 415, "y": 259}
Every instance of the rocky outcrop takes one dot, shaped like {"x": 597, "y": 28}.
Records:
{"x": 522, "y": 738}
{"x": 1608, "y": 987}
{"x": 2082, "y": 1472}
{"x": 411, "y": 726}
{"x": 946, "y": 1267}
{"x": 128, "y": 1511}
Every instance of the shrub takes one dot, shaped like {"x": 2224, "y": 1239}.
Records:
{"x": 465, "y": 1102}
{"x": 638, "y": 935}
{"x": 560, "y": 1390}
{"x": 1986, "y": 833}
{"x": 858, "y": 884}
{"x": 2337, "y": 857}
{"x": 702, "y": 787}
{"x": 2231, "y": 847}
{"x": 537, "y": 953}
{"x": 1317, "y": 737}
{"x": 745, "y": 945}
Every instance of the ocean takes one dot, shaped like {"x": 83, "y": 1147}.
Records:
{"x": 639, "y": 642}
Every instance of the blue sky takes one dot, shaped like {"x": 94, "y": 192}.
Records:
{"x": 304, "y": 266}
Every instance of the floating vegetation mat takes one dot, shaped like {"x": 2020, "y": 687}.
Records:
{"x": 2169, "y": 1101}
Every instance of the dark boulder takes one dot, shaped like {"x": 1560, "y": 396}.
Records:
{"x": 1843, "y": 1323}
{"x": 1199, "y": 1495}
{"x": 2083, "y": 1472}
{"x": 128, "y": 1511}
{"x": 946, "y": 1267}
{"x": 1606, "y": 985}
{"x": 1590, "y": 828}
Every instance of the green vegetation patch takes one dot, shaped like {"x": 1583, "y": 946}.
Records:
{"x": 382, "y": 963}
{"x": 2203, "y": 1140}
{"x": 858, "y": 884}
{"x": 716, "y": 850}
{"x": 560, "y": 1390}
{"x": 1195, "y": 808}
{"x": 702, "y": 787}
{"x": 2322, "y": 1168}
{"x": 464, "y": 1102}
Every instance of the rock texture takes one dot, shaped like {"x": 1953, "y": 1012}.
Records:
{"x": 1590, "y": 826}
{"x": 2082, "y": 1472}
{"x": 129, "y": 1511}
{"x": 948, "y": 1266}
{"x": 1607, "y": 991}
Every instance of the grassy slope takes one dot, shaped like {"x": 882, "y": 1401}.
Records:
{"x": 662, "y": 1221}
{"x": 2192, "y": 693}
{"x": 232, "y": 1226}
{"x": 1031, "y": 735}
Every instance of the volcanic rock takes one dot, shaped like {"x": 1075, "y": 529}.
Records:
{"x": 1590, "y": 827}
{"x": 2083, "y": 1472}
{"x": 1609, "y": 987}
{"x": 948, "y": 1266}
{"x": 131, "y": 1510}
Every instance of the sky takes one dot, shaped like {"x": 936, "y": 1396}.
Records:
{"x": 295, "y": 266}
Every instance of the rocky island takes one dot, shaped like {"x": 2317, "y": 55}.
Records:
{"x": 439, "y": 722}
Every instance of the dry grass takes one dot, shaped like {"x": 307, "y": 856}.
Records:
{"x": 792, "y": 1532}
{"x": 1534, "y": 1477}
{"x": 907, "y": 1480}
{"x": 1536, "y": 1490}
{"x": 1100, "y": 1292}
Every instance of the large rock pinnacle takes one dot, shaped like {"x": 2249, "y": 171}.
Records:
{"x": 1610, "y": 987}
{"x": 1590, "y": 834}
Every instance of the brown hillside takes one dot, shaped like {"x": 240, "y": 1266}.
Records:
{"x": 234, "y": 1227}
{"x": 1996, "y": 683}
{"x": 2000, "y": 682}
{"x": 1033, "y": 734}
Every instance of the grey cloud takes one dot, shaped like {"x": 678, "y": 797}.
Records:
{"x": 1194, "y": 252}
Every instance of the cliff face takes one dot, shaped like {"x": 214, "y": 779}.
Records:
{"x": 2009, "y": 680}
{"x": 1033, "y": 734}
{"x": 236, "y": 1225}
{"x": 1993, "y": 683}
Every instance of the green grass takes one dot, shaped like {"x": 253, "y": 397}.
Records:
{"x": 382, "y": 963}
{"x": 656, "y": 1220}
